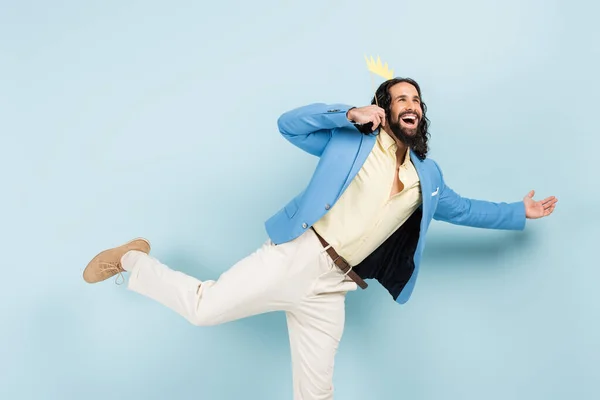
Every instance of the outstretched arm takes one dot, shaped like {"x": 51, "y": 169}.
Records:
{"x": 459, "y": 210}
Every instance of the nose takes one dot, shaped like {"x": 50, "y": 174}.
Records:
{"x": 409, "y": 109}
{"x": 413, "y": 106}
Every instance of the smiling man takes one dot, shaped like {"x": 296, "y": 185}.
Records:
{"x": 364, "y": 215}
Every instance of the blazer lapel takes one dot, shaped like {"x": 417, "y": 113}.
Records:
{"x": 425, "y": 183}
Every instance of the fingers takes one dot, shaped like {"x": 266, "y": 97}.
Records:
{"x": 370, "y": 114}
{"x": 381, "y": 113}
{"x": 549, "y": 201}
{"x": 549, "y": 204}
{"x": 376, "y": 121}
{"x": 378, "y": 117}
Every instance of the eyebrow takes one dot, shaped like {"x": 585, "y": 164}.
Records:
{"x": 405, "y": 96}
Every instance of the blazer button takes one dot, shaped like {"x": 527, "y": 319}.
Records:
{"x": 304, "y": 225}
{"x": 327, "y": 206}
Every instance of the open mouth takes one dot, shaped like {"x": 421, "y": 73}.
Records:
{"x": 409, "y": 120}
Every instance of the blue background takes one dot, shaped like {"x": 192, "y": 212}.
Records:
{"x": 158, "y": 119}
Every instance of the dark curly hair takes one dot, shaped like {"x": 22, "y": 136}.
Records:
{"x": 384, "y": 99}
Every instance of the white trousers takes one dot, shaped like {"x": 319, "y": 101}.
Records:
{"x": 297, "y": 277}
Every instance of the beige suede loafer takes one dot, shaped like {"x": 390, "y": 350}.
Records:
{"x": 108, "y": 263}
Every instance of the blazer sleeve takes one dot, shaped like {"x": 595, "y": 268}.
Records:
{"x": 458, "y": 210}
{"x": 310, "y": 127}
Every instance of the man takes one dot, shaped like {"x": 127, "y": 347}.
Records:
{"x": 364, "y": 214}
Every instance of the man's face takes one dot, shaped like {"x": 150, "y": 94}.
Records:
{"x": 405, "y": 111}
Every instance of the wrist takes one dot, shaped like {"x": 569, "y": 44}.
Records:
{"x": 349, "y": 114}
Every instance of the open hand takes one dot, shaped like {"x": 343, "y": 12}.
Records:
{"x": 372, "y": 114}
{"x": 538, "y": 209}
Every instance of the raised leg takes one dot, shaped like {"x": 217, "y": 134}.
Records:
{"x": 271, "y": 278}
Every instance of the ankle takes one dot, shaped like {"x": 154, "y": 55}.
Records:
{"x": 129, "y": 259}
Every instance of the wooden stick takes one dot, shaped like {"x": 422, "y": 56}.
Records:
{"x": 373, "y": 87}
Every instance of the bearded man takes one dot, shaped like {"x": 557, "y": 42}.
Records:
{"x": 363, "y": 215}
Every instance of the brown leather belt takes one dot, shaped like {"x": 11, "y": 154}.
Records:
{"x": 342, "y": 264}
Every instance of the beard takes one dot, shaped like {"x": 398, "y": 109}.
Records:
{"x": 407, "y": 136}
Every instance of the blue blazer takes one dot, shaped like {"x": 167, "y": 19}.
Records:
{"x": 324, "y": 131}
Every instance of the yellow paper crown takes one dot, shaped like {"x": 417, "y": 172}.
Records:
{"x": 378, "y": 68}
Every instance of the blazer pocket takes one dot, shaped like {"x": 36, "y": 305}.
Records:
{"x": 291, "y": 208}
